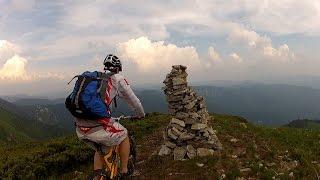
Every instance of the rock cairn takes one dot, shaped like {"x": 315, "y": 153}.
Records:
{"x": 188, "y": 134}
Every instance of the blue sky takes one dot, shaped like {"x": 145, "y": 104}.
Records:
{"x": 44, "y": 43}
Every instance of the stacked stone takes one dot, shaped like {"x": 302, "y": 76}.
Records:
{"x": 188, "y": 134}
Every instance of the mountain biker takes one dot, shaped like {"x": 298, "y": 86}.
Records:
{"x": 105, "y": 131}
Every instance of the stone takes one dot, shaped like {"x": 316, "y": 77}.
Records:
{"x": 170, "y": 144}
{"x": 210, "y": 130}
{"x": 234, "y": 140}
{"x": 179, "y": 67}
{"x": 198, "y": 126}
{"x": 245, "y": 170}
{"x": 177, "y": 127}
{"x": 171, "y": 135}
{"x": 291, "y": 174}
{"x": 194, "y": 115}
{"x": 191, "y": 151}
{"x": 178, "y": 121}
{"x": 178, "y": 81}
{"x": 164, "y": 151}
{"x": 200, "y": 164}
{"x": 176, "y": 131}
{"x": 271, "y": 164}
{"x": 190, "y": 105}
{"x": 206, "y": 134}
{"x": 186, "y": 136}
{"x": 179, "y": 153}
{"x": 190, "y": 121}
{"x": 181, "y": 115}
{"x": 204, "y": 152}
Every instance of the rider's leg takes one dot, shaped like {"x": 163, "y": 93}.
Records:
{"x": 98, "y": 161}
{"x": 124, "y": 151}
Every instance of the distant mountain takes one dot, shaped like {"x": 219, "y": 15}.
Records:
{"x": 265, "y": 104}
{"x": 304, "y": 124}
{"x": 270, "y": 104}
{"x": 51, "y": 114}
{"x": 17, "y": 124}
{"x": 9, "y": 129}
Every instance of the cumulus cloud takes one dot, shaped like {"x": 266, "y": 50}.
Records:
{"x": 14, "y": 68}
{"x": 14, "y": 65}
{"x": 236, "y": 58}
{"x": 151, "y": 56}
{"x": 213, "y": 55}
{"x": 261, "y": 44}
{"x": 7, "y": 50}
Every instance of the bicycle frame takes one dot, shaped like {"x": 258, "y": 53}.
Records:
{"x": 112, "y": 156}
{"x": 113, "y": 165}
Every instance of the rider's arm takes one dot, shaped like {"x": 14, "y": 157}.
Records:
{"x": 128, "y": 95}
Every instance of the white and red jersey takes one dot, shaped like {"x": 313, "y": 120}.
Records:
{"x": 117, "y": 85}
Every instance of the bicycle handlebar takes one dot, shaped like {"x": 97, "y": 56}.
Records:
{"x": 122, "y": 117}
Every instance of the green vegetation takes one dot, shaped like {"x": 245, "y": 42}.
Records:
{"x": 9, "y": 132}
{"x": 258, "y": 152}
{"x": 36, "y": 159}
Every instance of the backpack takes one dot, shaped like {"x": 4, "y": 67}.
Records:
{"x": 87, "y": 100}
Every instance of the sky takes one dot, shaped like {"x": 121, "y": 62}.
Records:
{"x": 43, "y": 44}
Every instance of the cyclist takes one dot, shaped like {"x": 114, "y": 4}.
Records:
{"x": 105, "y": 131}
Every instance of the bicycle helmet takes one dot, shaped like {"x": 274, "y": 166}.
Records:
{"x": 112, "y": 63}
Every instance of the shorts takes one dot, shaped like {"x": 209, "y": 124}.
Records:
{"x": 110, "y": 135}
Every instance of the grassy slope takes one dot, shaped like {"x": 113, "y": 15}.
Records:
{"x": 8, "y": 130}
{"x": 279, "y": 151}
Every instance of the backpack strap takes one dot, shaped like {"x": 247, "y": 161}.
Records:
{"x": 103, "y": 84}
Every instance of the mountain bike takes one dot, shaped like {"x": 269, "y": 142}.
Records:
{"x": 112, "y": 158}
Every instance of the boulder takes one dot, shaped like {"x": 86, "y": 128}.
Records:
{"x": 178, "y": 121}
{"x": 179, "y": 153}
{"x": 164, "y": 151}
{"x": 198, "y": 126}
{"x": 186, "y": 136}
{"x": 171, "y": 135}
{"x": 191, "y": 151}
{"x": 170, "y": 144}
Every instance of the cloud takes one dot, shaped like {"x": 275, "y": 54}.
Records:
{"x": 236, "y": 58}
{"x": 261, "y": 44}
{"x": 7, "y": 50}
{"x": 214, "y": 55}
{"x": 24, "y": 5}
{"x": 155, "y": 56}
{"x": 14, "y": 68}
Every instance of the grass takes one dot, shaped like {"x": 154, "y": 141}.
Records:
{"x": 8, "y": 131}
{"x": 268, "y": 152}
